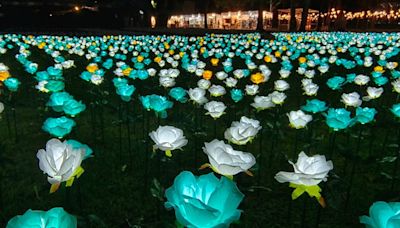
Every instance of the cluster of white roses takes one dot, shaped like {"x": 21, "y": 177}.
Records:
{"x": 222, "y": 157}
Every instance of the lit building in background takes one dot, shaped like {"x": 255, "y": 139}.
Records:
{"x": 241, "y": 20}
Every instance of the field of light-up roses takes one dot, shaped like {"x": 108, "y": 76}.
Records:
{"x": 212, "y": 131}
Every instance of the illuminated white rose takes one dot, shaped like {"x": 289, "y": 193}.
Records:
{"x": 230, "y": 82}
{"x": 323, "y": 69}
{"x": 361, "y": 79}
{"x": 168, "y": 138}
{"x": 167, "y": 81}
{"x": 311, "y": 89}
{"x": 221, "y": 75}
{"x": 308, "y": 171}
{"x": 281, "y": 85}
{"x": 396, "y": 85}
{"x": 152, "y": 72}
{"x": 284, "y": 73}
{"x": 215, "y": 109}
{"x": 96, "y": 79}
{"x": 239, "y": 73}
{"x": 374, "y": 92}
{"x": 1, "y": 107}
{"x": 227, "y": 161}
{"x": 199, "y": 72}
{"x": 173, "y": 73}
{"x": 242, "y": 132}
{"x": 309, "y": 73}
{"x": 59, "y": 161}
{"x": 262, "y": 102}
{"x": 301, "y": 70}
{"x": 204, "y": 84}
{"x": 197, "y": 95}
{"x": 217, "y": 90}
{"x": 351, "y": 99}
{"x": 298, "y": 119}
{"x": 277, "y": 97}
{"x": 252, "y": 89}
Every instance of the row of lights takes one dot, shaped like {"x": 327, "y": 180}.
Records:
{"x": 391, "y": 14}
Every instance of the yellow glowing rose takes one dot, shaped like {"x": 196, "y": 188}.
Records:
{"x": 207, "y": 74}
{"x": 267, "y": 59}
{"x": 4, "y": 75}
{"x": 41, "y": 45}
{"x": 181, "y": 54}
{"x": 277, "y": 54}
{"x": 257, "y": 78}
{"x": 127, "y": 71}
{"x": 302, "y": 60}
{"x": 202, "y": 50}
{"x": 171, "y": 52}
{"x": 214, "y": 61}
{"x": 92, "y": 68}
{"x": 157, "y": 59}
{"x": 140, "y": 58}
{"x": 379, "y": 69}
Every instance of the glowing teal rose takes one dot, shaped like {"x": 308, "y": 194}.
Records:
{"x": 365, "y": 115}
{"x": 55, "y": 72}
{"x": 228, "y": 68}
{"x": 77, "y": 145}
{"x": 55, "y": 86}
{"x": 54, "y": 218}
{"x": 58, "y": 127}
{"x": 395, "y": 74}
{"x": 382, "y": 215}
{"x": 139, "y": 66}
{"x": 125, "y": 91}
{"x": 157, "y": 103}
{"x": 380, "y": 81}
{"x": 119, "y": 81}
{"x": 142, "y": 74}
{"x": 59, "y": 59}
{"x": 236, "y": 95}
{"x": 350, "y": 77}
{"x": 133, "y": 74}
{"x": 178, "y": 94}
{"x": 396, "y": 110}
{"x": 73, "y": 107}
{"x": 314, "y": 106}
{"x": 86, "y": 75}
{"x": 335, "y": 83}
{"x": 376, "y": 74}
{"x": 58, "y": 99}
{"x": 147, "y": 61}
{"x": 31, "y": 68}
{"x": 145, "y": 102}
{"x": 108, "y": 64}
{"x": 204, "y": 201}
{"x": 12, "y": 84}
{"x": 42, "y": 76}
{"x": 338, "y": 119}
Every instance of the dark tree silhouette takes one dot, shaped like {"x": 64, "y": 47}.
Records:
{"x": 304, "y": 15}
{"x": 293, "y": 22}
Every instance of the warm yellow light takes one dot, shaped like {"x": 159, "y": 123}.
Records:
{"x": 76, "y": 8}
{"x": 153, "y": 21}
